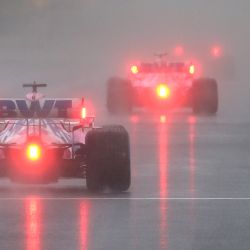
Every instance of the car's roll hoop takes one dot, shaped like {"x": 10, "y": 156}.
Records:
{"x": 34, "y": 86}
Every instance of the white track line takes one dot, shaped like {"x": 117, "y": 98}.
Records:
{"x": 121, "y": 198}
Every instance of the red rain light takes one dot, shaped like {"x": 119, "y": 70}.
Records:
{"x": 179, "y": 50}
{"x": 163, "y": 91}
{"x": 134, "y": 69}
{"x": 163, "y": 119}
{"x": 83, "y": 113}
{"x": 191, "y": 69}
{"x": 216, "y": 51}
{"x": 33, "y": 152}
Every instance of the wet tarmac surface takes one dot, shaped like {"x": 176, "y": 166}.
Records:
{"x": 190, "y": 190}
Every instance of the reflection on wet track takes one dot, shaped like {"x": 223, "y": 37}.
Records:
{"x": 84, "y": 224}
{"x": 178, "y": 161}
{"x": 191, "y": 136}
{"x": 163, "y": 180}
{"x": 33, "y": 223}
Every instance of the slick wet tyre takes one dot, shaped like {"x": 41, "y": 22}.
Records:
{"x": 108, "y": 159}
{"x": 118, "y": 165}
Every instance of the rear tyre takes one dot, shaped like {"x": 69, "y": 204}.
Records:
{"x": 108, "y": 159}
{"x": 118, "y": 166}
{"x": 119, "y": 96}
{"x": 205, "y": 96}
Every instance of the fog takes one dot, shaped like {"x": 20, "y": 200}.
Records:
{"x": 76, "y": 45}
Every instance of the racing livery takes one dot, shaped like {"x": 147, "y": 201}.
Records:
{"x": 42, "y": 140}
{"x": 161, "y": 86}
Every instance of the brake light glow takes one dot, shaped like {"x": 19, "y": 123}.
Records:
{"x": 33, "y": 152}
{"x": 191, "y": 69}
{"x": 216, "y": 51}
{"x": 163, "y": 91}
{"x": 163, "y": 119}
{"x": 179, "y": 50}
{"x": 134, "y": 69}
{"x": 83, "y": 113}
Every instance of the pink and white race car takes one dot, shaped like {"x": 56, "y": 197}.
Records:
{"x": 42, "y": 140}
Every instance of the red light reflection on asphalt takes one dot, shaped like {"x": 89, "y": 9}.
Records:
{"x": 163, "y": 182}
{"x": 33, "y": 223}
{"x": 84, "y": 225}
{"x": 163, "y": 160}
{"x": 192, "y": 119}
{"x": 192, "y": 166}
{"x": 134, "y": 119}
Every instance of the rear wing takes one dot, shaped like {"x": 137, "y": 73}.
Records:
{"x": 57, "y": 108}
{"x": 177, "y": 67}
{"x": 164, "y": 68}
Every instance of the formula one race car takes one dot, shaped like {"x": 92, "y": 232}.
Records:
{"x": 42, "y": 140}
{"x": 162, "y": 86}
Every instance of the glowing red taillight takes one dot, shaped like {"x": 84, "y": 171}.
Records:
{"x": 83, "y": 113}
{"x": 163, "y": 91}
{"x": 179, "y": 50}
{"x": 191, "y": 69}
{"x": 216, "y": 51}
{"x": 134, "y": 69}
{"x": 33, "y": 152}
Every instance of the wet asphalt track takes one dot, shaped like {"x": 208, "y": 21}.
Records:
{"x": 190, "y": 190}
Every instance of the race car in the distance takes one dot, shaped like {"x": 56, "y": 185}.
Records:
{"x": 162, "y": 86}
{"x": 42, "y": 140}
